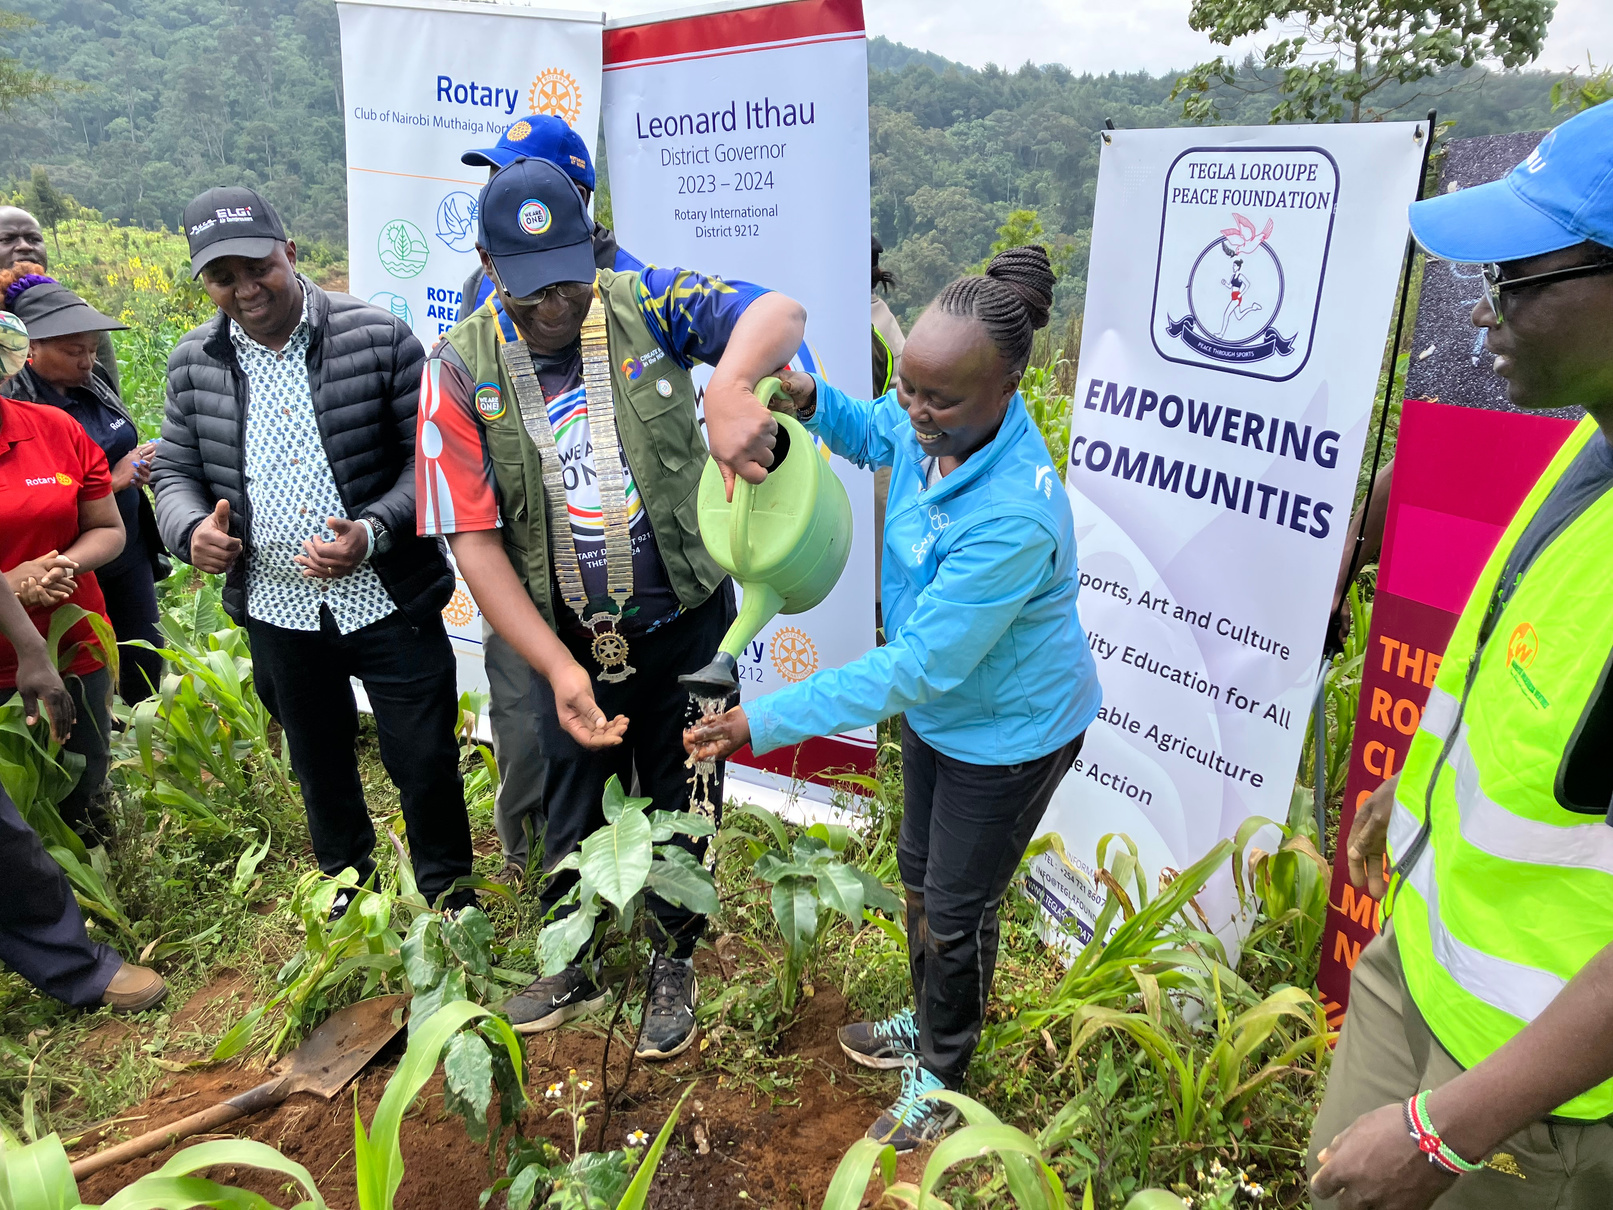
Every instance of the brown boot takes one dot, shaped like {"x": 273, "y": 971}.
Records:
{"x": 134, "y": 989}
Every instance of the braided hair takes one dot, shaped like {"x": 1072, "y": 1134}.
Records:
{"x": 1013, "y": 300}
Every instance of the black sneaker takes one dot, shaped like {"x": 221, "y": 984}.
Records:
{"x": 882, "y": 1045}
{"x": 339, "y": 906}
{"x": 551, "y": 1002}
{"x": 669, "y": 1026}
{"x": 915, "y": 1118}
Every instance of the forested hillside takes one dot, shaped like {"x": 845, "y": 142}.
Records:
{"x": 168, "y": 97}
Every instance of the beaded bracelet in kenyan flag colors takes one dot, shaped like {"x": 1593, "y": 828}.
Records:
{"x": 1428, "y": 1141}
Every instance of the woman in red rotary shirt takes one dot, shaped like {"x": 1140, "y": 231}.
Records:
{"x": 58, "y": 522}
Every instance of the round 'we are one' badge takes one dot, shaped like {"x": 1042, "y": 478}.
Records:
{"x": 535, "y": 217}
{"x": 489, "y": 400}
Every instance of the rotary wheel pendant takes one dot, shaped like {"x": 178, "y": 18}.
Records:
{"x": 610, "y": 649}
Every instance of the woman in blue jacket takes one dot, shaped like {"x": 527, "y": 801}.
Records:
{"x": 985, "y": 657}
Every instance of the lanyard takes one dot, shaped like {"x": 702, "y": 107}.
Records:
{"x": 602, "y": 615}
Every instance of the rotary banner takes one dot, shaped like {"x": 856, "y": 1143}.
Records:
{"x": 738, "y": 144}
{"x": 1238, "y": 300}
{"x": 423, "y": 82}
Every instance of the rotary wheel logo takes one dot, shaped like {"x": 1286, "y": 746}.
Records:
{"x": 795, "y": 656}
{"x": 556, "y": 92}
{"x": 460, "y": 610}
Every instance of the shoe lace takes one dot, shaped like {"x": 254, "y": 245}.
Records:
{"x": 667, "y": 981}
{"x": 899, "y": 1028}
{"x": 910, "y": 1106}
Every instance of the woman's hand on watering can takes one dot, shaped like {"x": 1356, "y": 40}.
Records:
{"x": 579, "y": 714}
{"x": 719, "y": 736}
{"x": 802, "y": 392}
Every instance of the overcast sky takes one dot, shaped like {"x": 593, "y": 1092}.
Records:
{"x": 1133, "y": 35}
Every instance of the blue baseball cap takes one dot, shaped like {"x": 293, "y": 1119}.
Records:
{"x": 539, "y": 137}
{"x": 532, "y": 222}
{"x": 1560, "y": 196}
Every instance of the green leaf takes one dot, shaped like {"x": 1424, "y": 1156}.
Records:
{"x": 468, "y": 1071}
{"x": 877, "y": 895}
{"x": 841, "y": 889}
{"x": 774, "y": 825}
{"x": 524, "y": 1188}
{"x": 422, "y": 951}
{"x": 616, "y": 859}
{"x": 638, "y": 1191}
{"x": 428, "y": 1001}
{"x": 850, "y": 1181}
{"x": 616, "y": 800}
{"x": 470, "y": 936}
{"x": 562, "y": 940}
{"x": 974, "y": 1141}
{"x": 678, "y": 878}
{"x": 40, "y": 1175}
{"x": 836, "y": 835}
{"x": 795, "y": 909}
{"x": 246, "y": 866}
{"x": 667, "y": 824}
{"x": 1155, "y": 1199}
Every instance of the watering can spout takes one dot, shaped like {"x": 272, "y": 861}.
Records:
{"x": 718, "y": 679}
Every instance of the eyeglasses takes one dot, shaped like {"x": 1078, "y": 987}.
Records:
{"x": 1495, "y": 285}
{"x": 567, "y": 291}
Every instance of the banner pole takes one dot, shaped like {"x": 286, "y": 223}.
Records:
{"x": 1388, "y": 391}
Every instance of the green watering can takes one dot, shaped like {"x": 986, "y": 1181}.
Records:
{"x": 786, "y": 541}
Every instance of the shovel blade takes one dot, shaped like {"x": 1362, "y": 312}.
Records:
{"x": 338, "y": 1050}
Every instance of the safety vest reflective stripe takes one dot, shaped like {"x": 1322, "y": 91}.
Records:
{"x": 1522, "y": 991}
{"x": 1439, "y": 714}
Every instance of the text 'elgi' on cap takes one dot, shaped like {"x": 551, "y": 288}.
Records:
{"x": 231, "y": 220}
{"x": 533, "y": 225}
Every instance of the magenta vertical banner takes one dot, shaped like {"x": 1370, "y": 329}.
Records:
{"x": 1460, "y": 474}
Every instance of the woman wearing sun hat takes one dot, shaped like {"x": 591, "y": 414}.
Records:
{"x": 62, "y": 372}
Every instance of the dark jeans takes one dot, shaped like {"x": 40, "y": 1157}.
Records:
{"x": 964, "y": 829}
{"x": 303, "y": 678}
{"x": 42, "y": 934}
{"x": 83, "y": 808}
{"x": 131, "y": 604}
{"x": 657, "y": 711}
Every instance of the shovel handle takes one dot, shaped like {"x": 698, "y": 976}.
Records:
{"x": 264, "y": 1095}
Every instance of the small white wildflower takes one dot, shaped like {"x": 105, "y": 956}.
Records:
{"x": 637, "y": 1138}
{"x": 554, "y": 1091}
{"x": 585, "y": 1085}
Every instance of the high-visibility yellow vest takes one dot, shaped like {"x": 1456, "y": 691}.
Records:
{"x": 1511, "y": 893}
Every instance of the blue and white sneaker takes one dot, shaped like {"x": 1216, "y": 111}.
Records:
{"x": 883, "y": 1045}
{"x": 915, "y": 1119}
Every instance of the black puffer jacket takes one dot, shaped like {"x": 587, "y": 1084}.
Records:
{"x": 364, "y": 375}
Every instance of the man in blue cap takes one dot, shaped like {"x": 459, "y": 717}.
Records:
{"x": 512, "y": 690}
{"x": 560, "y": 453}
{"x": 544, "y": 137}
{"x": 1475, "y": 1067}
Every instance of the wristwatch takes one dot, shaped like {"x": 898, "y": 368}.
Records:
{"x": 380, "y": 535}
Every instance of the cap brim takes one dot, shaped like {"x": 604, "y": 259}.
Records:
{"x": 72, "y": 321}
{"x": 1486, "y": 223}
{"x": 525, "y": 273}
{"x": 252, "y": 248}
{"x": 489, "y": 157}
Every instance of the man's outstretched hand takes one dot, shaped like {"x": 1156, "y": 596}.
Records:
{"x": 580, "y": 715}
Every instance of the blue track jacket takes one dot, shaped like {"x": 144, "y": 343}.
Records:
{"x": 984, "y": 650}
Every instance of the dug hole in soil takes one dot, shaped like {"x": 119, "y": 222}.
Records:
{"x": 731, "y": 1147}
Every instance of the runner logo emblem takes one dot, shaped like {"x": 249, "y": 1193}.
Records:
{"x": 535, "y": 217}
{"x": 1243, "y": 252}
{"x": 489, "y": 400}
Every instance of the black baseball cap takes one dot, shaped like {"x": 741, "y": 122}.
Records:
{"x": 532, "y": 222}
{"x": 231, "y": 220}
{"x": 51, "y": 309}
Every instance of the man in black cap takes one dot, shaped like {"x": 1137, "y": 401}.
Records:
{"x": 560, "y": 452}
{"x": 287, "y": 464}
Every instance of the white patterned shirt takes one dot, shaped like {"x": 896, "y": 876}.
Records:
{"x": 292, "y": 490}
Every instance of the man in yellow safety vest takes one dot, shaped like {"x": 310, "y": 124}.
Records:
{"x": 1475, "y": 1068}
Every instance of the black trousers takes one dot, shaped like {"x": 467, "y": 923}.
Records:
{"x": 131, "y": 604}
{"x": 82, "y": 808}
{"x": 42, "y": 934}
{"x": 657, "y": 711}
{"x": 408, "y": 673}
{"x": 964, "y": 829}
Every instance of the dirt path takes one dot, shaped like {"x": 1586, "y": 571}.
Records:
{"x": 733, "y": 1148}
